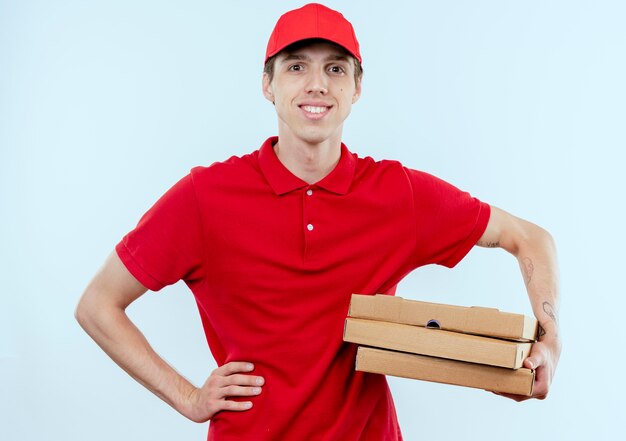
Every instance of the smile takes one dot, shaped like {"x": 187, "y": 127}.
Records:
{"x": 315, "y": 112}
{"x": 314, "y": 109}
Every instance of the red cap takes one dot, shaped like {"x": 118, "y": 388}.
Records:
{"x": 312, "y": 21}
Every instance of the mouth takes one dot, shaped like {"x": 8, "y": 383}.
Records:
{"x": 314, "y": 112}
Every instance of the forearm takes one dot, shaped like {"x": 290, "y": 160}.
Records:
{"x": 536, "y": 255}
{"x": 115, "y": 333}
{"x": 535, "y": 251}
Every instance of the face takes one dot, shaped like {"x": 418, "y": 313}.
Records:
{"x": 313, "y": 89}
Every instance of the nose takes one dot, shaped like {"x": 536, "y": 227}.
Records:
{"x": 317, "y": 82}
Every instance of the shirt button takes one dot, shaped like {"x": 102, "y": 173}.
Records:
{"x": 309, "y": 192}
{"x": 309, "y": 227}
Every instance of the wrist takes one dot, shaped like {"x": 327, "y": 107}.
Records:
{"x": 185, "y": 400}
{"x": 548, "y": 328}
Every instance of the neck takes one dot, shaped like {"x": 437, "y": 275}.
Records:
{"x": 310, "y": 162}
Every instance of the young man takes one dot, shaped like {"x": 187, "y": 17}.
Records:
{"x": 272, "y": 245}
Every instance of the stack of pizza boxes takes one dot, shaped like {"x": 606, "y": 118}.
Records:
{"x": 466, "y": 346}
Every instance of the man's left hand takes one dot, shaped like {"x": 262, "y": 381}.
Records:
{"x": 543, "y": 358}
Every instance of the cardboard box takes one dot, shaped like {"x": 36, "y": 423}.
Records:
{"x": 436, "y": 343}
{"x": 440, "y": 370}
{"x": 470, "y": 320}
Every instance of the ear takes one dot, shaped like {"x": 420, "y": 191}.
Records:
{"x": 268, "y": 91}
{"x": 357, "y": 92}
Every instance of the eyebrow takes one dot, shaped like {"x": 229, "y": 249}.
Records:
{"x": 300, "y": 57}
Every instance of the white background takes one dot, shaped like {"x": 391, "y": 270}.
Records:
{"x": 104, "y": 105}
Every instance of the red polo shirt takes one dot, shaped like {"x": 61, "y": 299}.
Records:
{"x": 272, "y": 262}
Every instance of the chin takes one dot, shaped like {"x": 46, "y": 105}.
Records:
{"x": 316, "y": 137}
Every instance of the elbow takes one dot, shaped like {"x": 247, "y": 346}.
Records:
{"x": 534, "y": 237}
{"x": 82, "y": 313}
{"x": 519, "y": 236}
{"x": 543, "y": 237}
{"x": 96, "y": 311}
{"x": 522, "y": 236}
{"x": 88, "y": 310}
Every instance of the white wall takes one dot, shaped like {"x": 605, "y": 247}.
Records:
{"x": 103, "y": 105}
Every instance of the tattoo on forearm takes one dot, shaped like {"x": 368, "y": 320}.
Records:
{"x": 490, "y": 244}
{"x": 527, "y": 269}
{"x": 541, "y": 332}
{"x": 549, "y": 309}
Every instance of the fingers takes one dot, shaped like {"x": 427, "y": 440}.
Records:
{"x": 542, "y": 383}
{"x": 231, "y": 383}
{"x": 239, "y": 391}
{"x": 227, "y": 381}
{"x": 234, "y": 367}
{"x": 538, "y": 361}
{"x": 537, "y": 357}
{"x": 244, "y": 380}
{"x": 534, "y": 361}
{"x": 236, "y": 406}
{"x": 543, "y": 359}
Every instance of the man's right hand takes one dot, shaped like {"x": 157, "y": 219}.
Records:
{"x": 101, "y": 312}
{"x": 225, "y": 382}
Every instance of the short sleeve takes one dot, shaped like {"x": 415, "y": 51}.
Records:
{"x": 449, "y": 221}
{"x": 166, "y": 244}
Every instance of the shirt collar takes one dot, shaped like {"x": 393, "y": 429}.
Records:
{"x": 283, "y": 181}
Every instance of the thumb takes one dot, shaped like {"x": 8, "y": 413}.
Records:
{"x": 534, "y": 361}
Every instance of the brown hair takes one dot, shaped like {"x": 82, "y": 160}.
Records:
{"x": 269, "y": 64}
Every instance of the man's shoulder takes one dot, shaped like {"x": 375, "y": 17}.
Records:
{"x": 387, "y": 167}
{"x": 238, "y": 166}
{"x": 369, "y": 164}
{"x": 390, "y": 172}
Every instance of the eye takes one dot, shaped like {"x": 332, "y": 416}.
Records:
{"x": 336, "y": 69}
{"x": 296, "y": 67}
